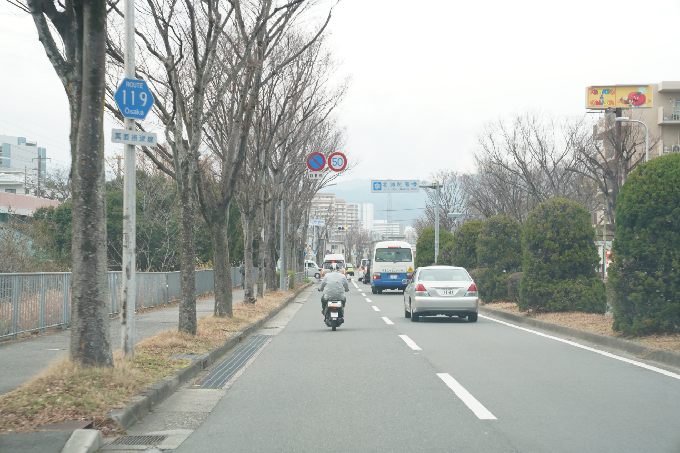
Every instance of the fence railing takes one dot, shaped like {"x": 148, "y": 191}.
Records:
{"x": 33, "y": 302}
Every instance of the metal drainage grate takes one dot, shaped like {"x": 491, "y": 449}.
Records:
{"x": 229, "y": 366}
{"x": 139, "y": 440}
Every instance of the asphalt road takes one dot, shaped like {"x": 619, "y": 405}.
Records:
{"x": 384, "y": 383}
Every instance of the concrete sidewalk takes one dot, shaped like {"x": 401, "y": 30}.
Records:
{"x": 24, "y": 359}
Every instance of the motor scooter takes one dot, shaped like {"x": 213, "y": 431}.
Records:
{"x": 334, "y": 313}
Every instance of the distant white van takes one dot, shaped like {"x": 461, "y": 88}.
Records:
{"x": 333, "y": 258}
{"x": 312, "y": 270}
{"x": 391, "y": 266}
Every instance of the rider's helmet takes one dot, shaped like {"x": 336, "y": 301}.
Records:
{"x": 334, "y": 267}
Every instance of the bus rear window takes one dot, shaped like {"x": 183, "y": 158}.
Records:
{"x": 393, "y": 255}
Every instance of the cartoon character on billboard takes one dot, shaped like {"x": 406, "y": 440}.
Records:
{"x": 635, "y": 98}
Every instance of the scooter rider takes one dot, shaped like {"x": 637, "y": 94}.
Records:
{"x": 334, "y": 287}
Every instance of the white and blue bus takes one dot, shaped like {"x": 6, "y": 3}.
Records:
{"x": 391, "y": 266}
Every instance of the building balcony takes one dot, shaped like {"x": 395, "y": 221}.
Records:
{"x": 670, "y": 146}
{"x": 669, "y": 115}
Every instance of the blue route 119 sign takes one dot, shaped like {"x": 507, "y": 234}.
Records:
{"x": 134, "y": 98}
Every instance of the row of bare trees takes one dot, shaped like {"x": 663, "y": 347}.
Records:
{"x": 530, "y": 158}
{"x": 243, "y": 90}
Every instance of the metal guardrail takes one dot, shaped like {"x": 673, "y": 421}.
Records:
{"x": 31, "y": 302}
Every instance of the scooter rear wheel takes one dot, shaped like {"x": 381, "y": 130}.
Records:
{"x": 334, "y": 324}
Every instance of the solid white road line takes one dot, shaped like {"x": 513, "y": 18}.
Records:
{"x": 368, "y": 300}
{"x": 470, "y": 401}
{"x": 412, "y": 344}
{"x": 387, "y": 320}
{"x": 376, "y": 308}
{"x": 587, "y": 348}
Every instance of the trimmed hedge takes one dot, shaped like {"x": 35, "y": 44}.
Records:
{"x": 559, "y": 260}
{"x": 499, "y": 254}
{"x": 464, "y": 246}
{"x": 425, "y": 247}
{"x": 513, "y": 286}
{"x": 645, "y": 273}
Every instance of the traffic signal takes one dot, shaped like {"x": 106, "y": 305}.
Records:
{"x": 342, "y": 228}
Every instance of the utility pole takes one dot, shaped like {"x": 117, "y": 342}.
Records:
{"x": 39, "y": 159}
{"x": 118, "y": 158}
{"x": 129, "y": 296}
{"x": 25, "y": 180}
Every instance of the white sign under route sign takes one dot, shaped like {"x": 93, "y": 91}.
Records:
{"x": 133, "y": 137}
{"x": 316, "y": 175}
{"x": 317, "y": 222}
{"x": 395, "y": 186}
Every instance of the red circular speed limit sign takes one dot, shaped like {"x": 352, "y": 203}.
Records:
{"x": 337, "y": 161}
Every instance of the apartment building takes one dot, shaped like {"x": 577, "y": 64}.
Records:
{"x": 342, "y": 214}
{"x": 19, "y": 160}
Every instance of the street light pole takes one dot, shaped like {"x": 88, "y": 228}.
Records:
{"x": 623, "y": 119}
{"x": 129, "y": 296}
{"x": 436, "y": 187}
{"x": 281, "y": 279}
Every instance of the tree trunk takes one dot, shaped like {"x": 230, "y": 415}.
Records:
{"x": 272, "y": 281}
{"x": 187, "y": 261}
{"x": 249, "y": 293}
{"x": 90, "y": 340}
{"x": 261, "y": 258}
{"x": 223, "y": 284}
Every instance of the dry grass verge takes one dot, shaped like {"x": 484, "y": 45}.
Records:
{"x": 591, "y": 322}
{"x": 65, "y": 391}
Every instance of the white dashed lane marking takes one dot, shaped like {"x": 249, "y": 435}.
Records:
{"x": 376, "y": 308}
{"x": 387, "y": 320}
{"x": 470, "y": 401}
{"x": 368, "y": 300}
{"x": 412, "y": 344}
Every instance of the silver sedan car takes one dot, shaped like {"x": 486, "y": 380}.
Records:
{"x": 441, "y": 290}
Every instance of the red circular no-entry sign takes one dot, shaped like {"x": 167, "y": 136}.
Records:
{"x": 337, "y": 161}
{"x": 316, "y": 161}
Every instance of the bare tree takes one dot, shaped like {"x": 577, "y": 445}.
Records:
{"x": 451, "y": 199}
{"x": 78, "y": 57}
{"x": 607, "y": 152}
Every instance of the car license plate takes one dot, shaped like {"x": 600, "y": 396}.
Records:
{"x": 447, "y": 292}
{"x": 334, "y": 314}
{"x": 394, "y": 277}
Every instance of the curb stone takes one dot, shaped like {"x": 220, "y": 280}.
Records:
{"x": 640, "y": 351}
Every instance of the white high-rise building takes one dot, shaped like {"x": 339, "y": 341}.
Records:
{"x": 367, "y": 216}
{"x": 20, "y": 158}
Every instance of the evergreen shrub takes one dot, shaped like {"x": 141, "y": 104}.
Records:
{"x": 645, "y": 273}
{"x": 425, "y": 247}
{"x": 513, "y": 286}
{"x": 559, "y": 260}
{"x": 464, "y": 245}
{"x": 499, "y": 254}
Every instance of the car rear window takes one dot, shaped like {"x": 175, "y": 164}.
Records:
{"x": 393, "y": 255}
{"x": 443, "y": 275}
{"x": 329, "y": 265}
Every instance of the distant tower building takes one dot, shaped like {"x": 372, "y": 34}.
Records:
{"x": 367, "y": 216}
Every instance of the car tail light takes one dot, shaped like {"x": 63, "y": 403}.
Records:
{"x": 376, "y": 275}
{"x": 421, "y": 291}
{"x": 472, "y": 291}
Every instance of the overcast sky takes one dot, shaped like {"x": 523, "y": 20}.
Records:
{"x": 426, "y": 75}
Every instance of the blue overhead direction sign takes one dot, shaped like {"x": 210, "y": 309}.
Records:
{"x": 134, "y": 98}
{"x": 395, "y": 186}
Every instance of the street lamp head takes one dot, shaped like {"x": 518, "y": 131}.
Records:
{"x": 622, "y": 119}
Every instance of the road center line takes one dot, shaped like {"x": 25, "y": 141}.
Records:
{"x": 376, "y": 308}
{"x": 368, "y": 300}
{"x": 412, "y": 344}
{"x": 387, "y": 320}
{"x": 587, "y": 348}
{"x": 470, "y": 401}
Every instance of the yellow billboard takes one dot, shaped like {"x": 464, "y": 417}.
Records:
{"x": 611, "y": 97}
